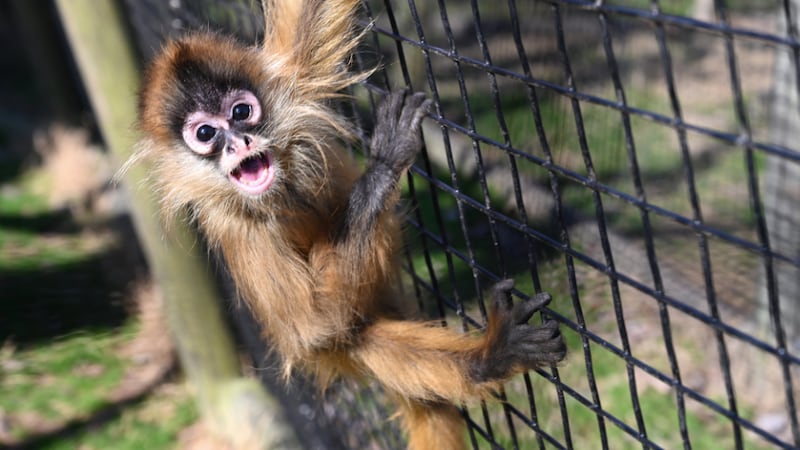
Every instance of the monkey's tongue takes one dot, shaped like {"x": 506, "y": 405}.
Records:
{"x": 254, "y": 175}
{"x": 251, "y": 170}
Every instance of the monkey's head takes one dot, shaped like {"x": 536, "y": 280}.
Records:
{"x": 250, "y": 129}
{"x": 235, "y": 126}
{"x": 204, "y": 106}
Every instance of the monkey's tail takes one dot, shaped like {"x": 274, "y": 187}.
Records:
{"x": 432, "y": 426}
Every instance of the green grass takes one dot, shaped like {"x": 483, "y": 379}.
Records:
{"x": 678, "y": 7}
{"x": 69, "y": 376}
{"x": 26, "y": 219}
{"x": 151, "y": 424}
{"x": 62, "y": 332}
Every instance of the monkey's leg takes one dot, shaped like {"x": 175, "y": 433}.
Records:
{"x": 429, "y": 363}
{"x": 429, "y": 367}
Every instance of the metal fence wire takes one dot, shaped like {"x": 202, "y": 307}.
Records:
{"x": 637, "y": 159}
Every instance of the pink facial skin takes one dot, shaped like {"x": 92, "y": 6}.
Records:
{"x": 244, "y": 157}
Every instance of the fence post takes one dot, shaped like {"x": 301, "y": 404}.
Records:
{"x": 782, "y": 190}
{"x": 237, "y": 409}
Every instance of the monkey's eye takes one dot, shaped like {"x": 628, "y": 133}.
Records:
{"x": 205, "y": 133}
{"x": 241, "y": 111}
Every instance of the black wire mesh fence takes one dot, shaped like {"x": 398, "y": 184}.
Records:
{"x": 637, "y": 160}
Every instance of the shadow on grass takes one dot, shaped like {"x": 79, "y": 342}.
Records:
{"x": 42, "y": 304}
{"x": 58, "y": 432}
{"x": 57, "y": 292}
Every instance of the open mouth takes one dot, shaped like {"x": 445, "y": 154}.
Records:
{"x": 254, "y": 174}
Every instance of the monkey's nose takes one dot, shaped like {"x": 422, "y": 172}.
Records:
{"x": 236, "y": 143}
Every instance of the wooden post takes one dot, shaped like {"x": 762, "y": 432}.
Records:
{"x": 237, "y": 409}
{"x": 782, "y": 191}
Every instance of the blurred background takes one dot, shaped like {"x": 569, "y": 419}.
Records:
{"x": 637, "y": 159}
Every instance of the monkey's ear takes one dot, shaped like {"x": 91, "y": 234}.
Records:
{"x": 316, "y": 37}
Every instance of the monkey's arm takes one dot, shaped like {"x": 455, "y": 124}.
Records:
{"x": 395, "y": 143}
{"x": 359, "y": 261}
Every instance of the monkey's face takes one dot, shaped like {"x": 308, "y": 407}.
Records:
{"x": 204, "y": 108}
{"x": 228, "y": 134}
{"x": 232, "y": 126}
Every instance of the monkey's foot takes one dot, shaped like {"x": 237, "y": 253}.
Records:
{"x": 512, "y": 343}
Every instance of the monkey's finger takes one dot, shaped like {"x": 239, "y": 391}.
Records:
{"x": 399, "y": 100}
{"x": 386, "y": 122}
{"x": 541, "y": 357}
{"x": 501, "y": 294}
{"x": 546, "y": 339}
{"x": 541, "y": 299}
{"x": 391, "y": 107}
{"x": 551, "y": 351}
{"x": 414, "y": 100}
{"x": 524, "y": 310}
{"x": 414, "y": 110}
{"x": 554, "y": 350}
{"x": 420, "y": 113}
{"x": 529, "y": 334}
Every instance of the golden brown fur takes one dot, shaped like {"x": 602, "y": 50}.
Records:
{"x": 327, "y": 303}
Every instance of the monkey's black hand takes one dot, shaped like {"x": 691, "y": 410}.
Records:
{"x": 511, "y": 342}
{"x": 395, "y": 143}
{"x": 396, "y": 139}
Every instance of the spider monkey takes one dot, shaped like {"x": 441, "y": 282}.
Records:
{"x": 246, "y": 140}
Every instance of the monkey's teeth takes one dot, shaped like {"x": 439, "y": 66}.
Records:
{"x": 254, "y": 174}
